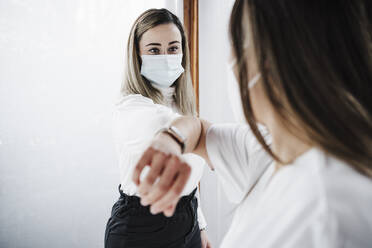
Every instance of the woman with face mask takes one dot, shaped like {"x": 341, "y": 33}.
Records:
{"x": 304, "y": 70}
{"x": 157, "y": 89}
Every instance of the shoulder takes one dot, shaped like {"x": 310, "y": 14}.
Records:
{"x": 131, "y": 109}
{"x": 322, "y": 197}
{"x": 338, "y": 196}
{"x": 349, "y": 200}
{"x": 133, "y": 100}
{"x": 133, "y": 105}
{"x": 329, "y": 178}
{"x": 135, "y": 115}
{"x": 340, "y": 184}
{"x": 139, "y": 104}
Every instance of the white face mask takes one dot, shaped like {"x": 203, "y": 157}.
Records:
{"x": 234, "y": 92}
{"x": 162, "y": 70}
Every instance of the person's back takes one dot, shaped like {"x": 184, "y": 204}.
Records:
{"x": 318, "y": 201}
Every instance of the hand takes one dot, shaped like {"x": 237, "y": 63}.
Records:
{"x": 204, "y": 239}
{"x": 172, "y": 174}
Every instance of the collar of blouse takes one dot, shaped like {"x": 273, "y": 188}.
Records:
{"x": 168, "y": 93}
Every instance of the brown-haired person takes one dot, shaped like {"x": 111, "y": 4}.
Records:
{"x": 304, "y": 179}
{"x": 156, "y": 90}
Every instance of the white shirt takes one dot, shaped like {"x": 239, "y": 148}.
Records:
{"x": 317, "y": 201}
{"x": 136, "y": 120}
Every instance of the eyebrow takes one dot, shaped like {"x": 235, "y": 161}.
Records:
{"x": 158, "y": 44}
{"x": 172, "y": 42}
{"x": 153, "y": 44}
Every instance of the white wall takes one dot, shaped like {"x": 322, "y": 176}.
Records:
{"x": 60, "y": 70}
{"x": 214, "y": 49}
{"x": 61, "y": 65}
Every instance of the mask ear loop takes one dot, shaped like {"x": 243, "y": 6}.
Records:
{"x": 254, "y": 81}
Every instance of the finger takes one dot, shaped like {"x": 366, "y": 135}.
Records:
{"x": 174, "y": 193}
{"x": 143, "y": 161}
{"x": 157, "y": 165}
{"x": 171, "y": 209}
{"x": 165, "y": 182}
{"x": 203, "y": 239}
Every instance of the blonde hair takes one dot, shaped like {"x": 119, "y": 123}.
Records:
{"x": 135, "y": 83}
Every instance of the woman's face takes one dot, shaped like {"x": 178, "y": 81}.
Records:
{"x": 162, "y": 39}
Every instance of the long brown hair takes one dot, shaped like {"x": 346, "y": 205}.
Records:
{"x": 315, "y": 58}
{"x": 135, "y": 83}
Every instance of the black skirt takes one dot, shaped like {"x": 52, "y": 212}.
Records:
{"x": 132, "y": 225}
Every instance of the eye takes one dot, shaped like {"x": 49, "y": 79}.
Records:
{"x": 154, "y": 50}
{"x": 173, "y": 49}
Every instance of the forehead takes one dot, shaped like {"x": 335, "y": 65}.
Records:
{"x": 161, "y": 33}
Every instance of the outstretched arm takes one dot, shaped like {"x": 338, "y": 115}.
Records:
{"x": 166, "y": 166}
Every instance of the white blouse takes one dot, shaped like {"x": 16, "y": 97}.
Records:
{"x": 317, "y": 201}
{"x": 136, "y": 120}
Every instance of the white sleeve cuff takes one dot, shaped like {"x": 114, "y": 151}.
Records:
{"x": 201, "y": 219}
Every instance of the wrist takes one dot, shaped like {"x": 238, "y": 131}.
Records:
{"x": 176, "y": 136}
{"x": 170, "y": 140}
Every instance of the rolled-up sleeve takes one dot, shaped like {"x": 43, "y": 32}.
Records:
{"x": 239, "y": 160}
